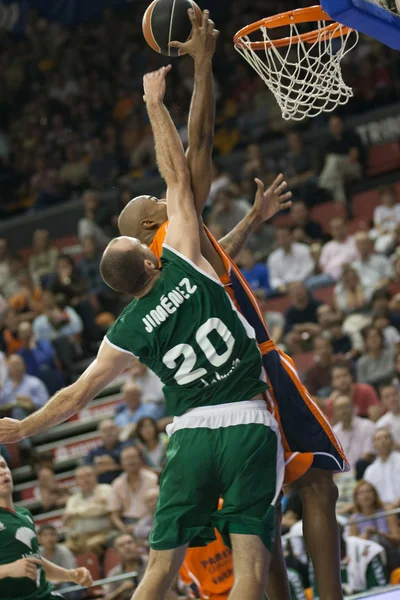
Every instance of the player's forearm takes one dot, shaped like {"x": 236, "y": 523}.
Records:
{"x": 55, "y": 573}
{"x": 201, "y": 132}
{"x": 5, "y": 571}
{"x": 170, "y": 156}
{"x": 234, "y": 241}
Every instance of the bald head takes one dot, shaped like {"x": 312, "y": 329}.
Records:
{"x": 142, "y": 217}
{"x": 127, "y": 265}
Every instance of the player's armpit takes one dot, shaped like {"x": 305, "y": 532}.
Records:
{"x": 108, "y": 364}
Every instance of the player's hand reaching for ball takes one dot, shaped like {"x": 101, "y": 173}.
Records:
{"x": 274, "y": 199}
{"x": 24, "y": 567}
{"x": 81, "y": 577}
{"x": 154, "y": 85}
{"x": 201, "y": 44}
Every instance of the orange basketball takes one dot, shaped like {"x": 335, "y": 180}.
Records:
{"x": 167, "y": 21}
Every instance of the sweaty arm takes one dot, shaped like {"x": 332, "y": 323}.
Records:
{"x": 108, "y": 364}
{"x": 183, "y": 229}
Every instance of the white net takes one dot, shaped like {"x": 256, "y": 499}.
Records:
{"x": 305, "y": 78}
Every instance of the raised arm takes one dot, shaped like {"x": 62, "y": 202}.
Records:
{"x": 183, "y": 229}
{"x": 108, "y": 364}
{"x": 201, "y": 48}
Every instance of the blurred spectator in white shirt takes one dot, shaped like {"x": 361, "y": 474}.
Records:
{"x": 384, "y": 471}
{"x": 87, "y": 515}
{"x": 354, "y": 433}
{"x": 386, "y": 219}
{"x": 43, "y": 260}
{"x": 131, "y": 562}
{"x": 289, "y": 262}
{"x": 144, "y": 526}
{"x": 49, "y": 492}
{"x": 127, "y": 502}
{"x": 148, "y": 382}
{"x": 374, "y": 270}
{"x": 350, "y": 294}
{"x": 58, "y": 319}
{"x": 339, "y": 251}
{"x": 390, "y": 396}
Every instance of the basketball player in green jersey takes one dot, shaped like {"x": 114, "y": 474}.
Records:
{"x": 183, "y": 325}
{"x": 23, "y": 573}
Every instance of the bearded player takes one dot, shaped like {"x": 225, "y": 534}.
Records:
{"x": 183, "y": 326}
{"x": 312, "y": 450}
{"x": 24, "y": 574}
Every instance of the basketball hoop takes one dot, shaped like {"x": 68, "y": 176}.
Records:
{"x": 302, "y": 70}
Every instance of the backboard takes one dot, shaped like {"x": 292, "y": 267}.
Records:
{"x": 369, "y": 17}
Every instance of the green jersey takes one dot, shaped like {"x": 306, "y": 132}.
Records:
{"x": 18, "y": 540}
{"x": 189, "y": 333}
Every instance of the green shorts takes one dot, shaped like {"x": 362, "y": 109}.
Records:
{"x": 231, "y": 451}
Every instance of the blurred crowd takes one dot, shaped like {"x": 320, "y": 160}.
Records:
{"x": 73, "y": 124}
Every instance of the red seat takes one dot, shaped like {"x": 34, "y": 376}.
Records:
{"x": 323, "y": 213}
{"x": 358, "y": 225}
{"x": 111, "y": 560}
{"x": 91, "y": 562}
{"x": 383, "y": 158}
{"x": 282, "y": 220}
{"x": 303, "y": 361}
{"x": 279, "y": 304}
{"x": 324, "y": 295}
{"x": 364, "y": 205}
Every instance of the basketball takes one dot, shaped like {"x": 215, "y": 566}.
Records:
{"x": 167, "y": 21}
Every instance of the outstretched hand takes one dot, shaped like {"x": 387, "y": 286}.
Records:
{"x": 10, "y": 431}
{"x": 154, "y": 85}
{"x": 201, "y": 44}
{"x": 274, "y": 199}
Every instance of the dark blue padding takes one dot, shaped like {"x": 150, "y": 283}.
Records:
{"x": 366, "y": 17}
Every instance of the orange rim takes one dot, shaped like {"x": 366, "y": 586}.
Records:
{"x": 301, "y": 15}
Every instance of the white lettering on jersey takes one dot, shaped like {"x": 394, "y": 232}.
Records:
{"x": 169, "y": 304}
{"x": 25, "y": 535}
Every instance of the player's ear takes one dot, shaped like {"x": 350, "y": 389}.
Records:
{"x": 149, "y": 224}
{"x": 148, "y": 264}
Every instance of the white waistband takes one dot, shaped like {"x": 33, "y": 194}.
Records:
{"x": 228, "y": 407}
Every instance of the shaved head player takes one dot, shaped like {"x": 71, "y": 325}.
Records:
{"x": 183, "y": 325}
{"x": 312, "y": 450}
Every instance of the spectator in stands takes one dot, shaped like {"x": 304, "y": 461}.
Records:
{"x": 28, "y": 300}
{"x": 390, "y": 397}
{"x": 49, "y": 492}
{"x": 344, "y": 159}
{"x": 89, "y": 266}
{"x": 305, "y": 230}
{"x": 228, "y": 209}
{"x": 318, "y": 375}
{"x": 386, "y": 219}
{"x": 3, "y": 369}
{"x": 341, "y": 341}
{"x": 350, "y": 294}
{"x": 300, "y": 317}
{"x": 42, "y": 263}
{"x": 148, "y": 382}
{"x": 395, "y": 276}
{"x": 374, "y": 524}
{"x": 365, "y": 399}
{"x": 96, "y": 219}
{"x": 132, "y": 409}
{"x": 74, "y": 172}
{"x": 22, "y": 393}
{"x": 381, "y": 321}
{"x": 131, "y": 562}
{"x": 144, "y": 526}
{"x": 58, "y": 319}
{"x": 354, "y": 433}
{"x": 10, "y": 342}
{"x": 46, "y": 185}
{"x": 256, "y": 273}
{"x": 16, "y": 271}
{"x": 87, "y": 516}
{"x": 111, "y": 447}
{"x": 292, "y": 508}
{"x": 339, "y": 251}
{"x": 297, "y": 165}
{"x": 127, "y": 501}
{"x": 374, "y": 269}
{"x": 377, "y": 364}
{"x": 4, "y": 262}
{"x": 5, "y": 454}
{"x": 289, "y": 262}
{"x": 384, "y": 471}
{"x": 39, "y": 358}
{"x": 152, "y": 443}
{"x": 57, "y": 553}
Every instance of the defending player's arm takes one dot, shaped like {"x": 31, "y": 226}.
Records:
{"x": 80, "y": 576}
{"x": 266, "y": 204}
{"x": 64, "y": 404}
{"x": 183, "y": 229}
{"x": 201, "y": 47}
